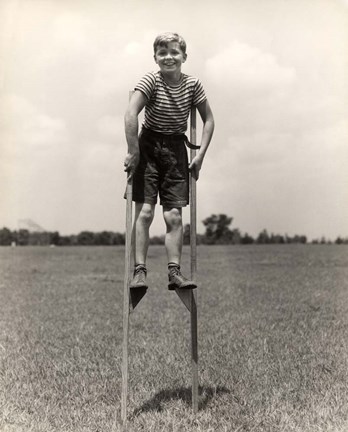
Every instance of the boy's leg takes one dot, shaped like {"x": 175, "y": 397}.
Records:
{"x": 173, "y": 243}
{"x": 143, "y": 218}
{"x": 174, "y": 233}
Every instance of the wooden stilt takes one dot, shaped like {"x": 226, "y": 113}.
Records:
{"x": 126, "y": 296}
{"x": 128, "y": 249}
{"x": 126, "y": 302}
{"x": 193, "y": 242}
{"x": 189, "y": 296}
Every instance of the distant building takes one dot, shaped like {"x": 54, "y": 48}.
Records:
{"x": 31, "y": 233}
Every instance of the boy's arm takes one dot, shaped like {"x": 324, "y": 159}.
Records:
{"x": 207, "y": 133}
{"x": 136, "y": 104}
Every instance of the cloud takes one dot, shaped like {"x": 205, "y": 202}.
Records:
{"x": 44, "y": 168}
{"x": 111, "y": 127}
{"x": 26, "y": 131}
{"x": 117, "y": 68}
{"x": 250, "y": 88}
{"x": 281, "y": 139}
{"x": 30, "y": 139}
{"x": 34, "y": 156}
{"x": 249, "y": 68}
{"x": 72, "y": 32}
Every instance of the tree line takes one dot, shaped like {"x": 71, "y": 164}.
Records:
{"x": 24, "y": 237}
{"x": 217, "y": 231}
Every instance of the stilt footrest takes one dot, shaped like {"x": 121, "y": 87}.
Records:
{"x": 186, "y": 296}
{"x": 136, "y": 294}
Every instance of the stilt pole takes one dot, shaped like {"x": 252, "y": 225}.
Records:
{"x": 128, "y": 249}
{"x": 189, "y": 296}
{"x": 193, "y": 242}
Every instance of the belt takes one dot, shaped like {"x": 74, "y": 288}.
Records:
{"x": 171, "y": 136}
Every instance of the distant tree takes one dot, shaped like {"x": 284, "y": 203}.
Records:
{"x": 300, "y": 239}
{"x": 85, "y": 238}
{"x": 200, "y": 238}
{"x": 6, "y": 237}
{"x": 341, "y": 240}
{"x": 38, "y": 238}
{"x": 236, "y": 237}
{"x": 103, "y": 238}
{"x": 247, "y": 239}
{"x": 276, "y": 239}
{"x": 157, "y": 240}
{"x": 54, "y": 238}
{"x": 118, "y": 239}
{"x": 187, "y": 235}
{"x": 217, "y": 229}
{"x": 74, "y": 240}
{"x": 64, "y": 241}
{"x": 22, "y": 237}
{"x": 263, "y": 237}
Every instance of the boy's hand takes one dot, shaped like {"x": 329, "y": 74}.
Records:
{"x": 195, "y": 166}
{"x": 130, "y": 163}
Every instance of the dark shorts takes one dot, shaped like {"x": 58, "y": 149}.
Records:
{"x": 162, "y": 170}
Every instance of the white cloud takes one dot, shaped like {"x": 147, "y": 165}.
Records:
{"x": 111, "y": 127}
{"x": 100, "y": 161}
{"x": 35, "y": 155}
{"x": 240, "y": 65}
{"x": 29, "y": 138}
{"x": 133, "y": 48}
{"x": 117, "y": 68}
{"x": 44, "y": 168}
{"x": 25, "y": 130}
{"x": 72, "y": 32}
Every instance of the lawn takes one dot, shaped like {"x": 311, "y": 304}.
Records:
{"x": 273, "y": 332}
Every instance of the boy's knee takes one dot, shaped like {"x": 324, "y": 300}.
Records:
{"x": 146, "y": 215}
{"x": 173, "y": 217}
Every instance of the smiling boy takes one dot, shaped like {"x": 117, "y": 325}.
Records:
{"x": 157, "y": 159}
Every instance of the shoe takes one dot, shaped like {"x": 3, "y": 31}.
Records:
{"x": 139, "y": 277}
{"x": 178, "y": 281}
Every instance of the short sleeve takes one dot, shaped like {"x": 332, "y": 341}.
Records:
{"x": 199, "y": 94}
{"x": 147, "y": 84}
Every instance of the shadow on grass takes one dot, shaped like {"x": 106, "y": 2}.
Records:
{"x": 206, "y": 394}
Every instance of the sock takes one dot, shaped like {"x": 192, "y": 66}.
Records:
{"x": 138, "y": 266}
{"x": 172, "y": 266}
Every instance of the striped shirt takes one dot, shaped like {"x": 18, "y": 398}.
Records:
{"x": 168, "y": 106}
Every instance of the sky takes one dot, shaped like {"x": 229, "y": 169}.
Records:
{"x": 275, "y": 73}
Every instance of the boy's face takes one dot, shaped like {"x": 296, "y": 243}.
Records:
{"x": 170, "y": 58}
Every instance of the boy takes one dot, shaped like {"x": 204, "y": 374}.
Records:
{"x": 157, "y": 159}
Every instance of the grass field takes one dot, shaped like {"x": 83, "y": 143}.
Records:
{"x": 273, "y": 335}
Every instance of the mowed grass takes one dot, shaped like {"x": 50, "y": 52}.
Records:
{"x": 273, "y": 335}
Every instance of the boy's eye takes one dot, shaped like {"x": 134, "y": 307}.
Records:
{"x": 164, "y": 52}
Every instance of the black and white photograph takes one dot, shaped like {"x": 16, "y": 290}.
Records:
{"x": 174, "y": 215}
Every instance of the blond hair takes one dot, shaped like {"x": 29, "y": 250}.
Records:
{"x": 163, "y": 39}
